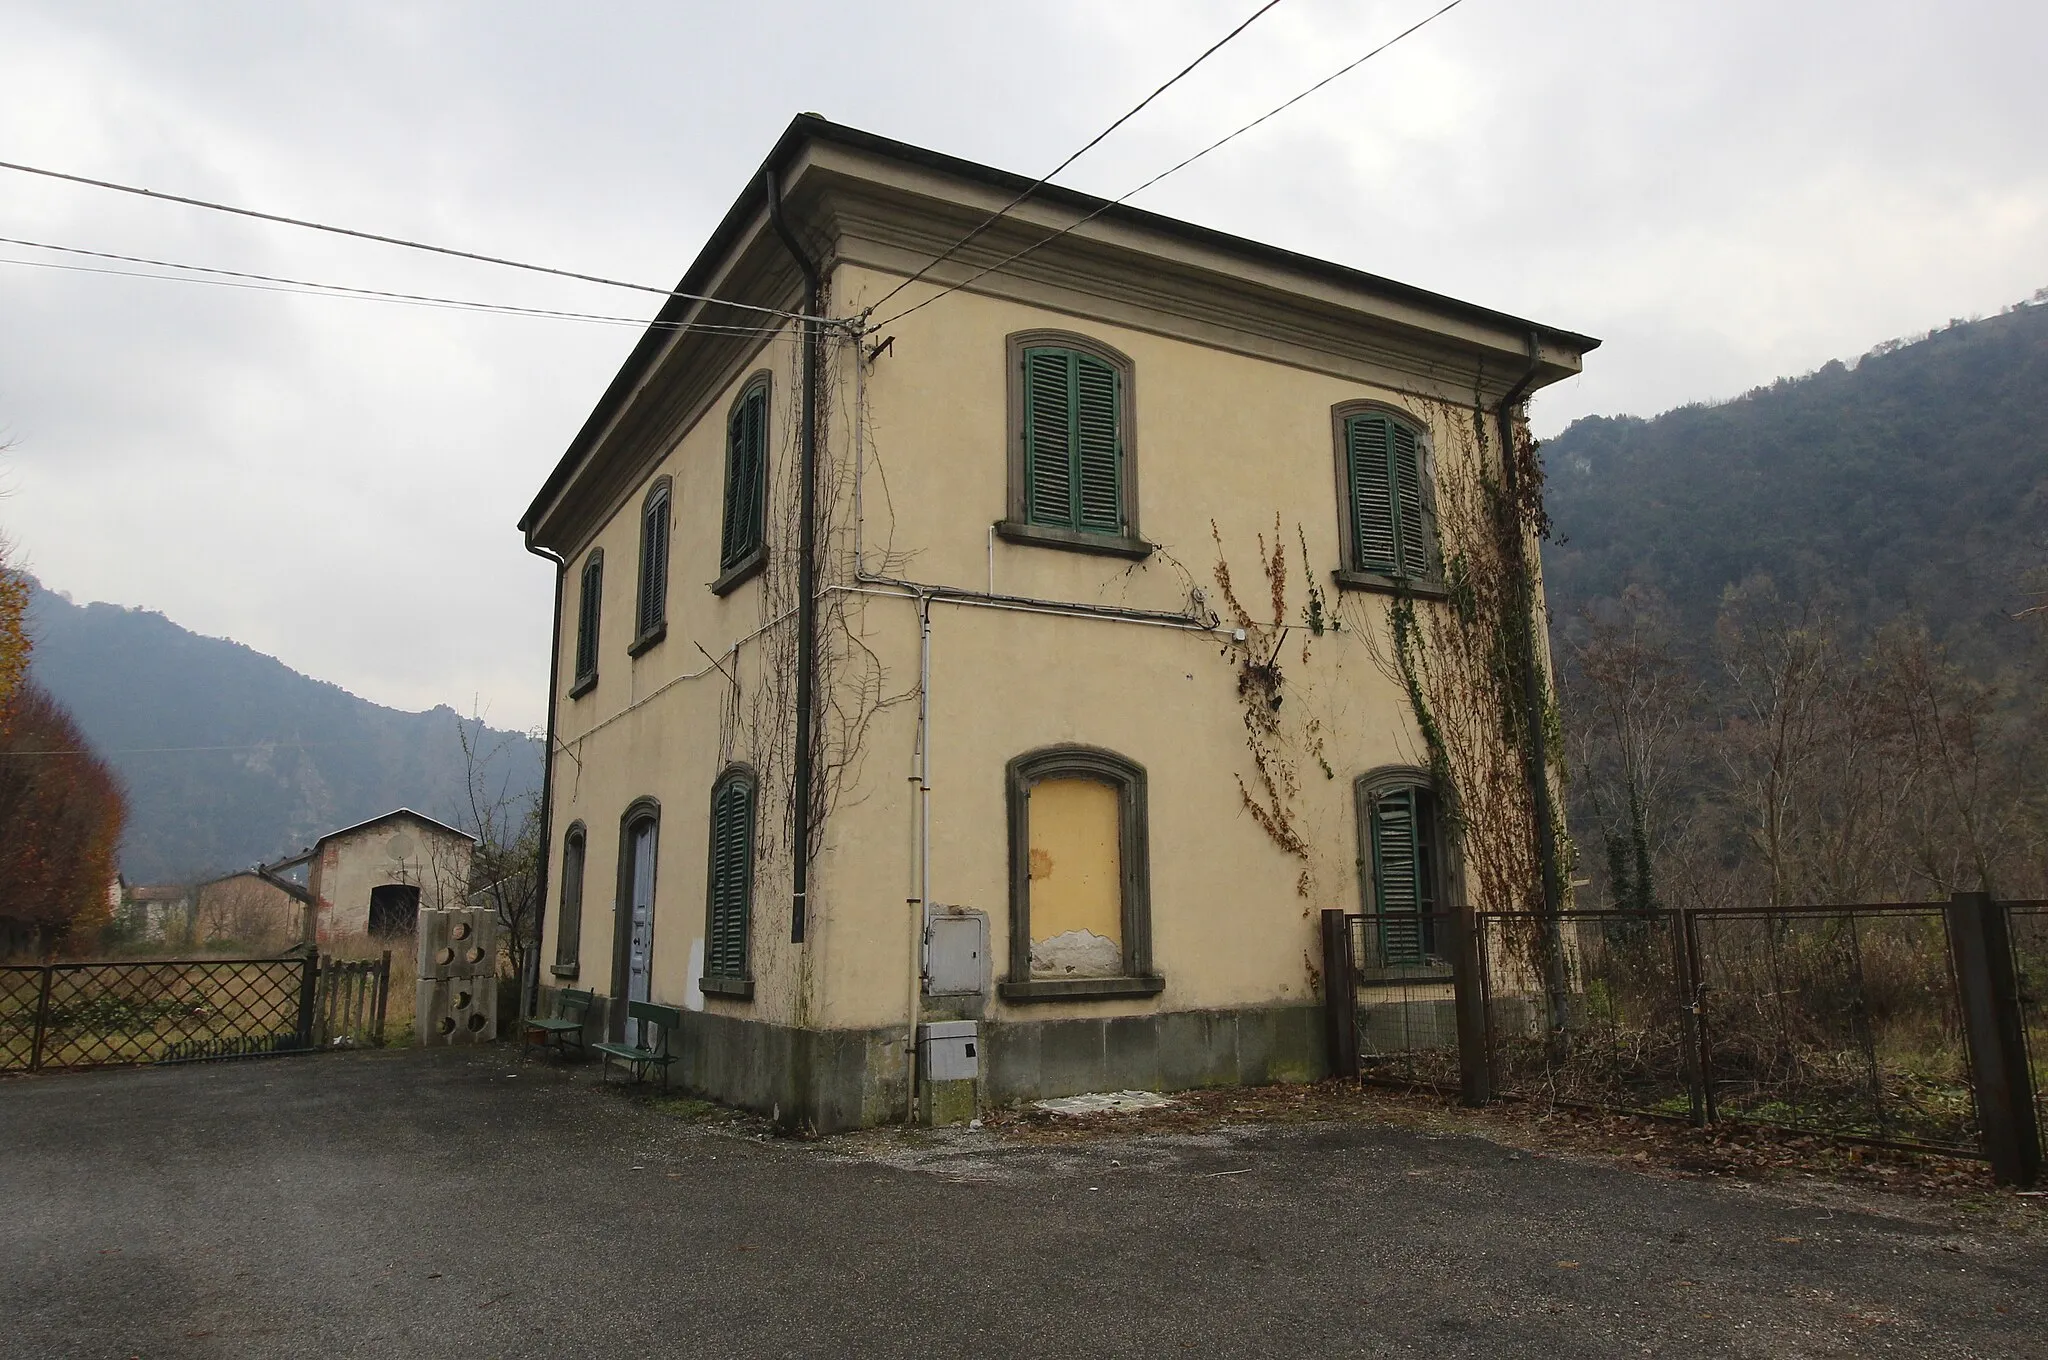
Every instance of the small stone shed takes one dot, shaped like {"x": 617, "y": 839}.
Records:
{"x": 372, "y": 879}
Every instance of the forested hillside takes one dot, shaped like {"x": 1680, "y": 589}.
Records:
{"x": 1800, "y": 638}
{"x": 229, "y": 756}
{"x": 1915, "y": 481}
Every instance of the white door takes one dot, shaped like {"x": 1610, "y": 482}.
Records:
{"x": 640, "y": 937}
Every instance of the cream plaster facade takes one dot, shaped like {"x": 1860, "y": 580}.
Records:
{"x": 949, "y": 650}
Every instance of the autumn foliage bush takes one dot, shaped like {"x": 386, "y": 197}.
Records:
{"x": 61, "y": 813}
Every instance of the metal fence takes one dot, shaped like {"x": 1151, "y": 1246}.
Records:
{"x": 1912, "y": 1025}
{"x": 2028, "y": 922}
{"x": 77, "y": 1015}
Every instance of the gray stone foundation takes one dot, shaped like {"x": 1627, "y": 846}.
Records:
{"x": 830, "y": 1080}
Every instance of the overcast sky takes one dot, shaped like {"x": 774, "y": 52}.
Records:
{"x": 1723, "y": 192}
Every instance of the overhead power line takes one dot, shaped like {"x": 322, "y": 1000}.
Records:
{"x": 274, "y": 283}
{"x": 1090, "y": 145}
{"x": 383, "y": 239}
{"x": 1009, "y": 260}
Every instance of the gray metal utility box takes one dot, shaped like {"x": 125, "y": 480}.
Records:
{"x": 956, "y": 953}
{"x": 949, "y": 1050}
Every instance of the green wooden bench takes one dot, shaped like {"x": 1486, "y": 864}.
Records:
{"x": 663, "y": 1021}
{"x": 571, "y": 1006}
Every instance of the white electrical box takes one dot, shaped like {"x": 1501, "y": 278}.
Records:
{"x": 949, "y": 1050}
{"x": 956, "y": 953}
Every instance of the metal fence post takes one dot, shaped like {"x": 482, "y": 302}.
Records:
{"x": 1340, "y": 994}
{"x": 35, "y": 1055}
{"x": 307, "y": 981}
{"x": 1691, "y": 1004}
{"x": 1468, "y": 992}
{"x": 1980, "y": 943}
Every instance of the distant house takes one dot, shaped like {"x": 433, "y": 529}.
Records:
{"x": 1050, "y": 802}
{"x": 252, "y": 907}
{"x": 372, "y": 878}
{"x": 158, "y": 912}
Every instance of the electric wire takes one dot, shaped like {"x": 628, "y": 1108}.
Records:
{"x": 1092, "y": 143}
{"x": 385, "y": 240}
{"x": 272, "y": 283}
{"x": 1102, "y": 208}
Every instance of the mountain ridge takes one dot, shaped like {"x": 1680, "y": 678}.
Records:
{"x": 228, "y": 755}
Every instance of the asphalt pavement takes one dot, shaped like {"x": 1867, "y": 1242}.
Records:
{"x": 472, "y": 1204}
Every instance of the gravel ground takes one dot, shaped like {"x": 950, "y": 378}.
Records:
{"x": 473, "y": 1204}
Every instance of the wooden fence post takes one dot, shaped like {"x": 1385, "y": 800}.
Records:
{"x": 383, "y": 995}
{"x": 1340, "y": 994}
{"x": 1980, "y": 942}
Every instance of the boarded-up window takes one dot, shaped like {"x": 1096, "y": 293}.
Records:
{"x": 1076, "y": 870}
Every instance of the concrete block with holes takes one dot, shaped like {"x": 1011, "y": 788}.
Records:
{"x": 457, "y": 996}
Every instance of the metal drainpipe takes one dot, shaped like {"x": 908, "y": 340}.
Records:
{"x": 806, "y": 567}
{"x": 1538, "y": 755}
{"x": 924, "y": 847}
{"x": 547, "y": 781}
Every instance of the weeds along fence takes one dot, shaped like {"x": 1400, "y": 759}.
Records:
{"x": 1914, "y": 1025}
{"x": 79, "y": 1015}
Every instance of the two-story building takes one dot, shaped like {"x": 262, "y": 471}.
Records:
{"x": 1110, "y": 514}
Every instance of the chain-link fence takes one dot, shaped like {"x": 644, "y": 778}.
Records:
{"x": 1850, "y": 1021}
{"x": 1589, "y": 1008}
{"x": 1407, "y": 1019}
{"x": 2028, "y": 922}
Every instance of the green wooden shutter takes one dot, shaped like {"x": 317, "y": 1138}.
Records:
{"x": 1049, "y": 437}
{"x": 1098, "y": 455}
{"x": 1410, "y": 534}
{"x": 1368, "y": 455}
{"x": 586, "y": 619}
{"x": 757, "y": 467}
{"x": 732, "y": 865}
{"x": 1397, "y": 875}
{"x": 654, "y": 564}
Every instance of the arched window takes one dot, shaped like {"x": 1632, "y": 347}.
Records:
{"x": 651, "y": 620}
{"x": 1073, "y": 446}
{"x": 1405, "y": 867}
{"x": 569, "y": 918}
{"x": 741, "y": 543}
{"x": 729, "y": 908}
{"x": 1386, "y": 478}
{"x": 1080, "y": 882}
{"x": 586, "y": 624}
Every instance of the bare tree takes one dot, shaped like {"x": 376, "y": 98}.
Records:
{"x": 1634, "y": 698}
{"x": 504, "y": 869}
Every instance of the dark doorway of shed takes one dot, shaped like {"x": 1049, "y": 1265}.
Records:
{"x": 394, "y": 909}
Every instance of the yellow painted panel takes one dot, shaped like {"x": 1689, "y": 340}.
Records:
{"x": 1076, "y": 878}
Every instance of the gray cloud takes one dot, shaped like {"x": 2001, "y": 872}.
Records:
{"x": 1724, "y": 193}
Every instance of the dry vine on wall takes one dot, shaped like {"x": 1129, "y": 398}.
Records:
{"x": 1459, "y": 659}
{"x": 1279, "y": 742}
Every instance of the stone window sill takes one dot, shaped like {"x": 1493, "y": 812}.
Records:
{"x": 562, "y": 970}
{"x": 1422, "y": 588}
{"x": 1406, "y": 974}
{"x": 583, "y": 686}
{"x": 648, "y": 639}
{"x": 736, "y": 989}
{"x": 1073, "y": 540}
{"x": 741, "y": 572}
{"x": 1081, "y": 989}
